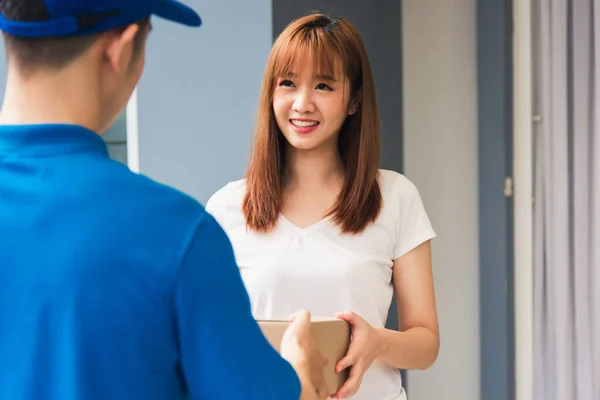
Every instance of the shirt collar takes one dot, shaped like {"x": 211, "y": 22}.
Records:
{"x": 49, "y": 140}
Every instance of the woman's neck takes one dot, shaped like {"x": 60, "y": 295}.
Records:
{"x": 313, "y": 168}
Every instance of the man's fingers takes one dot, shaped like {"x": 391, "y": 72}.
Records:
{"x": 319, "y": 377}
{"x": 300, "y": 323}
{"x": 324, "y": 361}
{"x": 300, "y": 315}
{"x": 323, "y": 390}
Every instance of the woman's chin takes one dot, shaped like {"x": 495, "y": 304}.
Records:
{"x": 305, "y": 142}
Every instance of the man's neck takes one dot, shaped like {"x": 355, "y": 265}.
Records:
{"x": 64, "y": 97}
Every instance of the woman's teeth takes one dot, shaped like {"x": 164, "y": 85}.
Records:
{"x": 304, "y": 124}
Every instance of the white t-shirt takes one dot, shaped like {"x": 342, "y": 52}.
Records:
{"x": 319, "y": 269}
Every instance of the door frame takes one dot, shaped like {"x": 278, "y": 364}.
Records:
{"x": 496, "y": 205}
{"x": 524, "y": 67}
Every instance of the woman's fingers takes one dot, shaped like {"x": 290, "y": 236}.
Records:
{"x": 347, "y": 361}
{"x": 350, "y": 387}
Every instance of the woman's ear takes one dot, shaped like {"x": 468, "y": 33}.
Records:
{"x": 355, "y": 103}
{"x": 353, "y": 106}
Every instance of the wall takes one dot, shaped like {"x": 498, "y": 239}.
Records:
{"x": 440, "y": 156}
{"x": 116, "y": 139}
{"x": 198, "y": 94}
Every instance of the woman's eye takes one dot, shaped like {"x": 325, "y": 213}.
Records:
{"x": 287, "y": 83}
{"x": 323, "y": 86}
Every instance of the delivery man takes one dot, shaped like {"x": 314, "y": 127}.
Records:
{"x": 113, "y": 286}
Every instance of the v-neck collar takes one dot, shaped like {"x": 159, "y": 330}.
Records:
{"x": 304, "y": 231}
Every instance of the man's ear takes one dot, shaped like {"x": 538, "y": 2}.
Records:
{"x": 120, "y": 47}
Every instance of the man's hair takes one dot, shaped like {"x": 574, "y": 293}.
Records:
{"x": 54, "y": 53}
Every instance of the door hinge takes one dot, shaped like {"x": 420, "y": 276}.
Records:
{"x": 508, "y": 187}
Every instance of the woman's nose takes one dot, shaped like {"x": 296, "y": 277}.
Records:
{"x": 303, "y": 103}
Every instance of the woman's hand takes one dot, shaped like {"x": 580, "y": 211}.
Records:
{"x": 365, "y": 347}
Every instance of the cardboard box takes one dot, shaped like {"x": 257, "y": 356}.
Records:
{"x": 332, "y": 337}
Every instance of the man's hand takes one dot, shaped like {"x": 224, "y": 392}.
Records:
{"x": 299, "y": 348}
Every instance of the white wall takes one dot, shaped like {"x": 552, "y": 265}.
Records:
{"x": 199, "y": 92}
{"x": 440, "y": 134}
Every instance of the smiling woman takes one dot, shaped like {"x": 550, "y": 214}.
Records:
{"x": 342, "y": 235}
{"x": 311, "y": 77}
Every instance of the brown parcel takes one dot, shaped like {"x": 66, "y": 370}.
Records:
{"x": 332, "y": 337}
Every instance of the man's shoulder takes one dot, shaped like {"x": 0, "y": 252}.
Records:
{"x": 143, "y": 193}
{"x": 149, "y": 213}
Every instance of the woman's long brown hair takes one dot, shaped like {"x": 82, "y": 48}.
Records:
{"x": 328, "y": 44}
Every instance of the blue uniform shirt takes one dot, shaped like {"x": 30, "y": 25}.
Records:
{"x": 113, "y": 286}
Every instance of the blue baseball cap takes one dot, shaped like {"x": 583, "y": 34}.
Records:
{"x": 80, "y": 17}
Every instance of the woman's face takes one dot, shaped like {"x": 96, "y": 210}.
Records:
{"x": 310, "y": 109}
